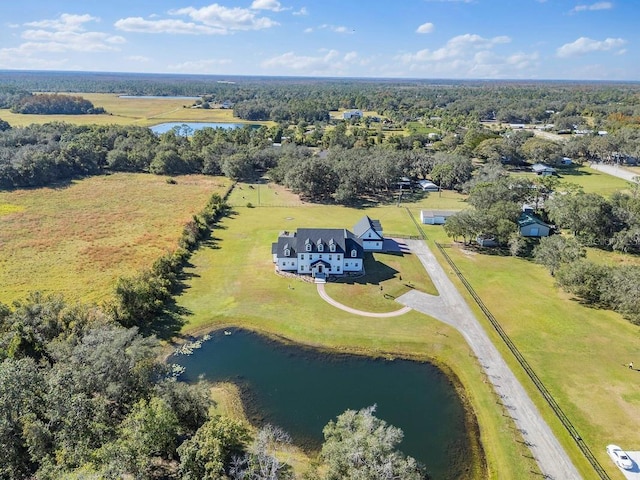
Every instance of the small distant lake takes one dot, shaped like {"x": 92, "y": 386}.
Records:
{"x": 301, "y": 389}
{"x": 160, "y": 97}
{"x": 189, "y": 127}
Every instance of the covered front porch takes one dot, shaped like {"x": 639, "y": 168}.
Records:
{"x": 320, "y": 269}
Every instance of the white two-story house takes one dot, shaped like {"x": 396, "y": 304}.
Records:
{"x": 321, "y": 252}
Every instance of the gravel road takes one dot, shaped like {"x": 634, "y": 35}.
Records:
{"x": 615, "y": 170}
{"x": 451, "y": 308}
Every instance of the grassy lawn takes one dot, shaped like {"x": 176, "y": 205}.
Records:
{"x": 578, "y": 352}
{"x": 593, "y": 181}
{"x": 130, "y": 111}
{"x": 388, "y": 275}
{"x": 77, "y": 239}
{"x": 590, "y": 180}
{"x": 232, "y": 282}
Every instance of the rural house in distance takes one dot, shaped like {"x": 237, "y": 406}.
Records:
{"x": 320, "y": 252}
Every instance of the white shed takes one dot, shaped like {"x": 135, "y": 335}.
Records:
{"x": 435, "y": 217}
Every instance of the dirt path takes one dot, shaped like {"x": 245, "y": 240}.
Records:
{"x": 362, "y": 313}
{"x": 451, "y": 308}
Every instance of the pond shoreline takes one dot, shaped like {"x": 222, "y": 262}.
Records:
{"x": 477, "y": 466}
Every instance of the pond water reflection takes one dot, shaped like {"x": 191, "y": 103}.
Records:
{"x": 301, "y": 389}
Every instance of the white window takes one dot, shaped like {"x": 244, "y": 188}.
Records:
{"x": 338, "y": 257}
{"x": 307, "y": 247}
{"x": 354, "y": 253}
{"x": 302, "y": 257}
{"x": 338, "y": 267}
{"x": 320, "y": 247}
{"x": 332, "y": 247}
{"x": 330, "y": 257}
{"x": 287, "y": 252}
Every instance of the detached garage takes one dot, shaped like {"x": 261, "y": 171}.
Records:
{"x": 532, "y": 226}
{"x": 435, "y": 217}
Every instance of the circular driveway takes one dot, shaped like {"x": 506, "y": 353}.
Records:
{"x": 328, "y": 299}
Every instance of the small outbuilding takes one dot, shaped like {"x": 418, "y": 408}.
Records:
{"x": 428, "y": 186}
{"x": 542, "y": 169}
{"x": 532, "y": 226}
{"x": 352, "y": 114}
{"x": 435, "y": 217}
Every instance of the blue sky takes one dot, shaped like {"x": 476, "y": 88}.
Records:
{"x": 459, "y": 39}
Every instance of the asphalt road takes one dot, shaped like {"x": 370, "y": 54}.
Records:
{"x": 451, "y": 308}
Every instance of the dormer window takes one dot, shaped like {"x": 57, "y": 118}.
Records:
{"x": 354, "y": 253}
{"x": 287, "y": 252}
{"x": 307, "y": 245}
{"x": 320, "y": 246}
{"x": 332, "y": 245}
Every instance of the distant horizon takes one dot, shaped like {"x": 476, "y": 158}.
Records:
{"x": 574, "y": 40}
{"x": 222, "y": 77}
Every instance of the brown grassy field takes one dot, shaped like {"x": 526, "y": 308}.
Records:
{"x": 79, "y": 238}
{"x": 130, "y": 111}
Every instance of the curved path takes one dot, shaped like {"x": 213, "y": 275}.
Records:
{"x": 451, "y": 308}
{"x": 339, "y": 305}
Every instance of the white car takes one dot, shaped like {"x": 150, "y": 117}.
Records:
{"x": 619, "y": 457}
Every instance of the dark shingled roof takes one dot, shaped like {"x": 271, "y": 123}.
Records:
{"x": 343, "y": 239}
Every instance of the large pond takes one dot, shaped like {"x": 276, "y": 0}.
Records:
{"x": 301, "y": 389}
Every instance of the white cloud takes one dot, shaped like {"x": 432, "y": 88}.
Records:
{"x": 327, "y": 62}
{"x": 139, "y": 24}
{"x": 457, "y": 47}
{"x": 272, "y": 5}
{"x": 138, "y": 58}
{"x": 469, "y": 56}
{"x": 332, "y": 28}
{"x": 425, "y": 28}
{"x": 66, "y": 22}
{"x": 226, "y": 18}
{"x": 593, "y": 7}
{"x": 213, "y": 19}
{"x": 302, "y": 12}
{"x": 63, "y": 34}
{"x": 585, "y": 45}
{"x": 200, "y": 66}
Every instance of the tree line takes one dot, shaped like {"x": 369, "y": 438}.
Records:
{"x": 453, "y": 103}
{"x": 82, "y": 396}
{"x": 54, "y": 104}
{"x": 578, "y": 220}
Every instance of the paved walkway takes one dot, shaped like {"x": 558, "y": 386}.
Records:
{"x": 339, "y": 305}
{"x": 451, "y": 308}
{"x": 616, "y": 171}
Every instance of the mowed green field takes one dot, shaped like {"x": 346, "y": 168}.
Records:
{"x": 79, "y": 238}
{"x": 130, "y": 111}
{"x": 233, "y": 283}
{"x": 590, "y": 180}
{"x": 579, "y": 353}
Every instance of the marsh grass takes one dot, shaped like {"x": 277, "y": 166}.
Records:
{"x": 79, "y": 238}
